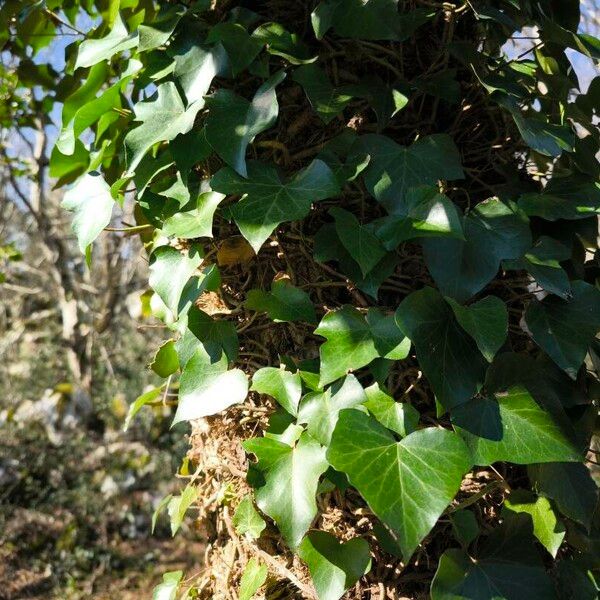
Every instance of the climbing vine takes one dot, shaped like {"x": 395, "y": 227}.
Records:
{"x": 372, "y": 233}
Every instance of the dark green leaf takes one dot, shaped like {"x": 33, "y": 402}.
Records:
{"x": 464, "y": 526}
{"x": 334, "y": 567}
{"x": 241, "y": 47}
{"x": 282, "y": 385}
{"x": 283, "y": 303}
{"x": 565, "y": 329}
{"x": 281, "y": 42}
{"x": 448, "y": 356}
{"x": 400, "y": 417}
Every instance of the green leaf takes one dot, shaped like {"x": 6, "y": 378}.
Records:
{"x": 565, "y": 329}
{"x": 282, "y": 385}
{"x": 91, "y": 202}
{"x": 93, "y": 51}
{"x": 394, "y": 169}
{"x": 367, "y": 19}
{"x": 284, "y": 303}
{"x": 400, "y": 417}
{"x": 253, "y": 578}
{"x": 464, "y": 526}
{"x": 425, "y": 213}
{"x": 543, "y": 264}
{"x": 246, "y": 519}
{"x": 354, "y": 340}
{"x": 170, "y": 271}
{"x": 291, "y": 476}
{"x": 241, "y": 47}
{"x": 486, "y": 321}
{"x": 167, "y": 590}
{"x": 448, "y": 356}
{"x": 547, "y": 528}
{"x": 320, "y": 410}
{"x": 358, "y": 240}
{"x": 512, "y": 427}
{"x": 155, "y": 34}
{"x": 564, "y": 198}
{"x": 206, "y": 387}
{"x": 281, "y": 42}
{"x": 327, "y": 101}
{"x": 215, "y": 335}
{"x": 179, "y": 505}
{"x": 334, "y": 567}
{"x": 233, "y": 122}
{"x": 407, "y": 484}
{"x": 158, "y": 510}
{"x": 89, "y": 111}
{"x": 493, "y": 232}
{"x": 163, "y": 118}
{"x": 196, "y": 65}
{"x": 507, "y": 568}
{"x": 140, "y": 402}
{"x": 268, "y": 201}
{"x": 195, "y": 219}
{"x": 570, "y": 486}
{"x": 165, "y": 360}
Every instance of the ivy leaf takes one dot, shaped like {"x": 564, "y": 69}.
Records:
{"x": 358, "y": 240}
{"x": 246, "y": 519}
{"x": 512, "y": 427}
{"x": 367, "y": 19}
{"x": 291, "y": 476}
{"x": 195, "y": 219}
{"x": 486, "y": 321}
{"x": 91, "y": 202}
{"x": 334, "y": 567}
{"x": 92, "y": 51}
{"x": 547, "y": 528}
{"x": 328, "y": 101}
{"x": 493, "y": 232}
{"x": 268, "y": 201}
{"x": 353, "y": 341}
{"x": 570, "y": 486}
{"x": 280, "y": 42}
{"x": 165, "y": 360}
{"x": 170, "y": 271}
{"x": 507, "y": 567}
{"x": 216, "y": 335}
{"x": 543, "y": 264}
{"x": 282, "y": 385}
{"x": 241, "y": 47}
{"x": 284, "y": 303}
{"x": 320, "y": 410}
{"x": 409, "y": 483}
{"x": 167, "y": 590}
{"x": 155, "y": 34}
{"x": 253, "y": 578}
{"x": 206, "y": 387}
{"x": 329, "y": 247}
{"x": 569, "y": 198}
{"x": 425, "y": 213}
{"x": 139, "y": 403}
{"x": 448, "y": 356}
{"x": 394, "y": 169}
{"x": 233, "y": 122}
{"x": 178, "y": 506}
{"x": 565, "y": 329}
{"x": 400, "y": 417}
{"x": 196, "y": 66}
{"x": 464, "y": 526}
{"x": 163, "y": 118}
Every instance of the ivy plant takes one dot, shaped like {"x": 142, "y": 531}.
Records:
{"x": 407, "y": 193}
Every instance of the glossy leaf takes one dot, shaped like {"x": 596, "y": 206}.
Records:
{"x": 354, "y": 340}
{"x": 448, "y": 356}
{"x": 233, "y": 122}
{"x": 268, "y": 201}
{"x": 401, "y": 417}
{"x": 291, "y": 476}
{"x": 283, "y": 303}
{"x": 409, "y": 483}
{"x": 284, "y": 386}
{"x": 334, "y": 567}
{"x": 512, "y": 427}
